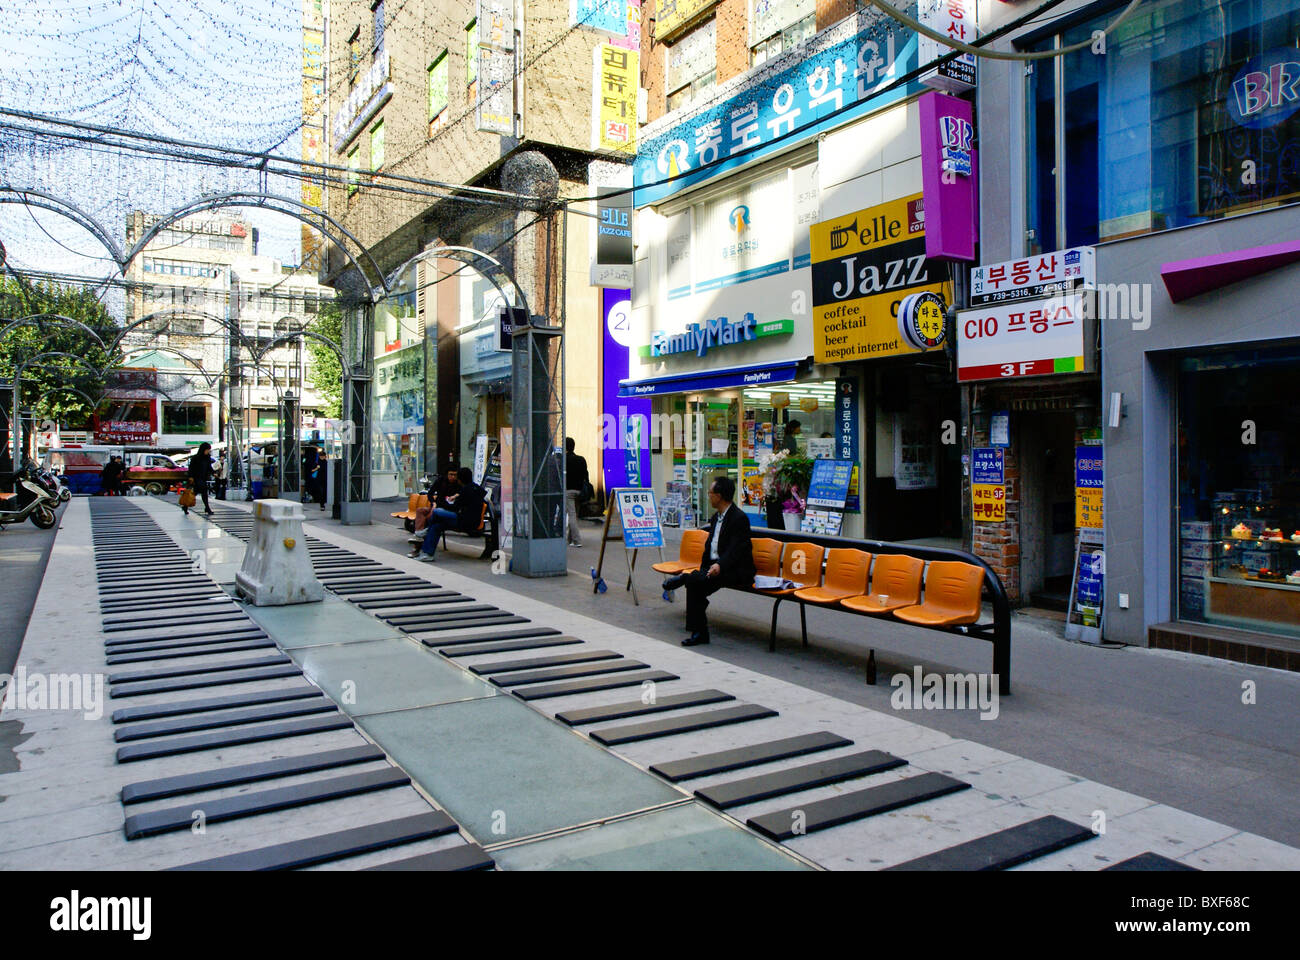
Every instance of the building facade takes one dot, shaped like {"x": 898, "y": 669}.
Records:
{"x": 197, "y": 281}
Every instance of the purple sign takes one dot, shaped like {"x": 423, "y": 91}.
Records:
{"x": 949, "y": 173}
{"x": 625, "y": 464}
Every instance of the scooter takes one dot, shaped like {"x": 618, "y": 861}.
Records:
{"x": 30, "y": 501}
{"x": 54, "y": 484}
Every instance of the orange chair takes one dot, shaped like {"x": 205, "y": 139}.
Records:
{"x": 689, "y": 556}
{"x": 414, "y": 502}
{"x": 802, "y": 563}
{"x": 895, "y": 583}
{"x": 952, "y": 595}
{"x": 767, "y": 557}
{"x": 846, "y": 576}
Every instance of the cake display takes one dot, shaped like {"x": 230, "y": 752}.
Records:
{"x": 1271, "y": 533}
{"x": 1241, "y": 532}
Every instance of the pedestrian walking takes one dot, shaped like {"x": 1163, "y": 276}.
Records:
{"x": 728, "y": 560}
{"x": 576, "y": 480}
{"x": 108, "y": 477}
{"x": 200, "y": 473}
{"x": 219, "y": 478}
{"x": 308, "y": 475}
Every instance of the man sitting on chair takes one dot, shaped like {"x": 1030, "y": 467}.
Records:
{"x": 465, "y": 513}
{"x": 728, "y": 560}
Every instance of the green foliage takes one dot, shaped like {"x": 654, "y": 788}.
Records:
{"x": 50, "y": 385}
{"x": 326, "y": 373}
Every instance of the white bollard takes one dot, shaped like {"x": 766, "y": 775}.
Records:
{"x": 277, "y": 568}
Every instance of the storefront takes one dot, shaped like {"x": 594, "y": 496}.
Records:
{"x": 398, "y": 394}
{"x": 483, "y": 402}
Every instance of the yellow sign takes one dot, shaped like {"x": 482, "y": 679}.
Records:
{"x": 989, "y": 502}
{"x": 1087, "y": 508}
{"x": 617, "y": 77}
{"x": 863, "y": 265}
{"x": 674, "y": 13}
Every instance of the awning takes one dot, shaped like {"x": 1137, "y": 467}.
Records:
{"x": 757, "y": 375}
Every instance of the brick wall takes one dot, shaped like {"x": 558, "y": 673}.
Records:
{"x": 733, "y": 39}
{"x": 833, "y": 11}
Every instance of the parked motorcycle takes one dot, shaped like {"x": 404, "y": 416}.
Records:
{"x": 30, "y": 500}
{"x": 54, "y": 484}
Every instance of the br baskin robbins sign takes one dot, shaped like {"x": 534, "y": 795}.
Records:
{"x": 699, "y": 338}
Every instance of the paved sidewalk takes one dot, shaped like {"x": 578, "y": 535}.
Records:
{"x": 61, "y": 806}
{"x": 1165, "y": 725}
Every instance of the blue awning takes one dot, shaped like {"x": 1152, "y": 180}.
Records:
{"x": 757, "y": 375}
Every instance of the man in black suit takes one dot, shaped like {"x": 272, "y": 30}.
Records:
{"x": 728, "y": 560}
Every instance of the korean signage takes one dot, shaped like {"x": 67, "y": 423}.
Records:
{"x": 372, "y": 91}
{"x": 132, "y": 383}
{"x": 607, "y": 16}
{"x": 622, "y": 468}
{"x": 846, "y": 418}
{"x": 1088, "y": 469}
{"x": 826, "y": 88}
{"x": 1022, "y": 339}
{"x": 123, "y": 431}
{"x": 675, "y": 13}
{"x": 1030, "y": 278}
{"x": 480, "y": 457}
{"x": 616, "y": 76}
{"x": 948, "y": 177}
{"x": 955, "y": 19}
{"x": 988, "y": 502}
{"x": 863, "y": 264}
{"x": 496, "y": 23}
{"x": 829, "y": 486}
{"x": 494, "y": 112}
{"x": 987, "y": 465}
{"x": 640, "y": 519}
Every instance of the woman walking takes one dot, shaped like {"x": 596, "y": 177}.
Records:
{"x": 200, "y": 473}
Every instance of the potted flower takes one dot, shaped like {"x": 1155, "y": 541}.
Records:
{"x": 785, "y": 484}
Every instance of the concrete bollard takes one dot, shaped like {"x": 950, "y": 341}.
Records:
{"x": 277, "y": 568}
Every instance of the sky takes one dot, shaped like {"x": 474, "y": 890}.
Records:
{"x": 217, "y": 71}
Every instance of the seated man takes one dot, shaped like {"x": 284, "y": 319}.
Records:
{"x": 444, "y": 487}
{"x": 466, "y": 509}
{"x": 728, "y": 560}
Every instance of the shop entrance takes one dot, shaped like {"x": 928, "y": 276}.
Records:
{"x": 1047, "y": 441}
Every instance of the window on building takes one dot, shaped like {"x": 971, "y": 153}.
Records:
{"x": 354, "y": 55}
{"x": 378, "y": 10}
{"x": 1178, "y": 124}
{"x": 377, "y": 146}
{"x": 471, "y": 52}
{"x": 186, "y": 418}
{"x": 692, "y": 65}
{"x": 438, "y": 85}
{"x": 354, "y": 169}
{"x": 779, "y": 25}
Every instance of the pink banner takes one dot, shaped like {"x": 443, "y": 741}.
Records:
{"x": 949, "y": 173}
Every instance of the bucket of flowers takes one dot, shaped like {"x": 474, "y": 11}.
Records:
{"x": 785, "y": 485}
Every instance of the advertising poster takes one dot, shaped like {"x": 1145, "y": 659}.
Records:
{"x": 989, "y": 502}
{"x": 640, "y": 519}
{"x": 1088, "y": 469}
{"x": 830, "y": 483}
{"x": 507, "y": 487}
{"x": 863, "y": 264}
{"x": 616, "y": 76}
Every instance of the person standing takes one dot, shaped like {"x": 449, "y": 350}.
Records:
{"x": 109, "y": 477}
{"x": 219, "y": 479}
{"x": 200, "y": 473}
{"x": 465, "y": 514}
{"x": 728, "y": 560}
{"x": 319, "y": 479}
{"x": 789, "y": 443}
{"x": 576, "y": 479}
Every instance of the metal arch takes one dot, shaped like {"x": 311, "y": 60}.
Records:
{"x": 209, "y": 380}
{"x": 299, "y": 335}
{"x": 230, "y": 326}
{"x": 245, "y": 198}
{"x": 463, "y": 254}
{"x": 33, "y": 321}
{"x": 48, "y": 201}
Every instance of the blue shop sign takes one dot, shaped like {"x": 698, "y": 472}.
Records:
{"x": 824, "y": 90}
{"x": 829, "y": 486}
{"x": 987, "y": 465}
{"x": 1088, "y": 464}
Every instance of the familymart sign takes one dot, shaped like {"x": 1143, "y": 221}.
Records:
{"x": 699, "y": 338}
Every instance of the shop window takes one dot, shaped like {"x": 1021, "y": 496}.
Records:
{"x": 691, "y": 65}
{"x": 377, "y": 146}
{"x": 1238, "y": 536}
{"x": 1177, "y": 124}
{"x": 186, "y": 418}
{"x": 438, "y": 85}
{"x": 778, "y": 25}
{"x": 354, "y": 56}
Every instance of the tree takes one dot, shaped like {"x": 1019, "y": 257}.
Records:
{"x": 326, "y": 372}
{"x": 56, "y": 388}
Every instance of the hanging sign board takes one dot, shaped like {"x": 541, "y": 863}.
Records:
{"x": 480, "y": 457}
{"x": 987, "y": 465}
{"x": 1088, "y": 484}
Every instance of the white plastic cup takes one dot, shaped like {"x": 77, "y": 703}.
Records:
{"x": 884, "y": 599}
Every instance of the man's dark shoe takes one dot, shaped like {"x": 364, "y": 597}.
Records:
{"x": 674, "y": 582}
{"x": 696, "y": 640}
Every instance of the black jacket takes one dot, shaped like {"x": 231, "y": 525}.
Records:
{"x": 200, "y": 468}
{"x": 735, "y": 552}
{"x": 575, "y": 472}
{"x": 469, "y": 507}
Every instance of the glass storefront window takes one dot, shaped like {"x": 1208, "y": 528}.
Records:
{"x": 1179, "y": 123}
{"x": 1239, "y": 490}
{"x": 397, "y": 394}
